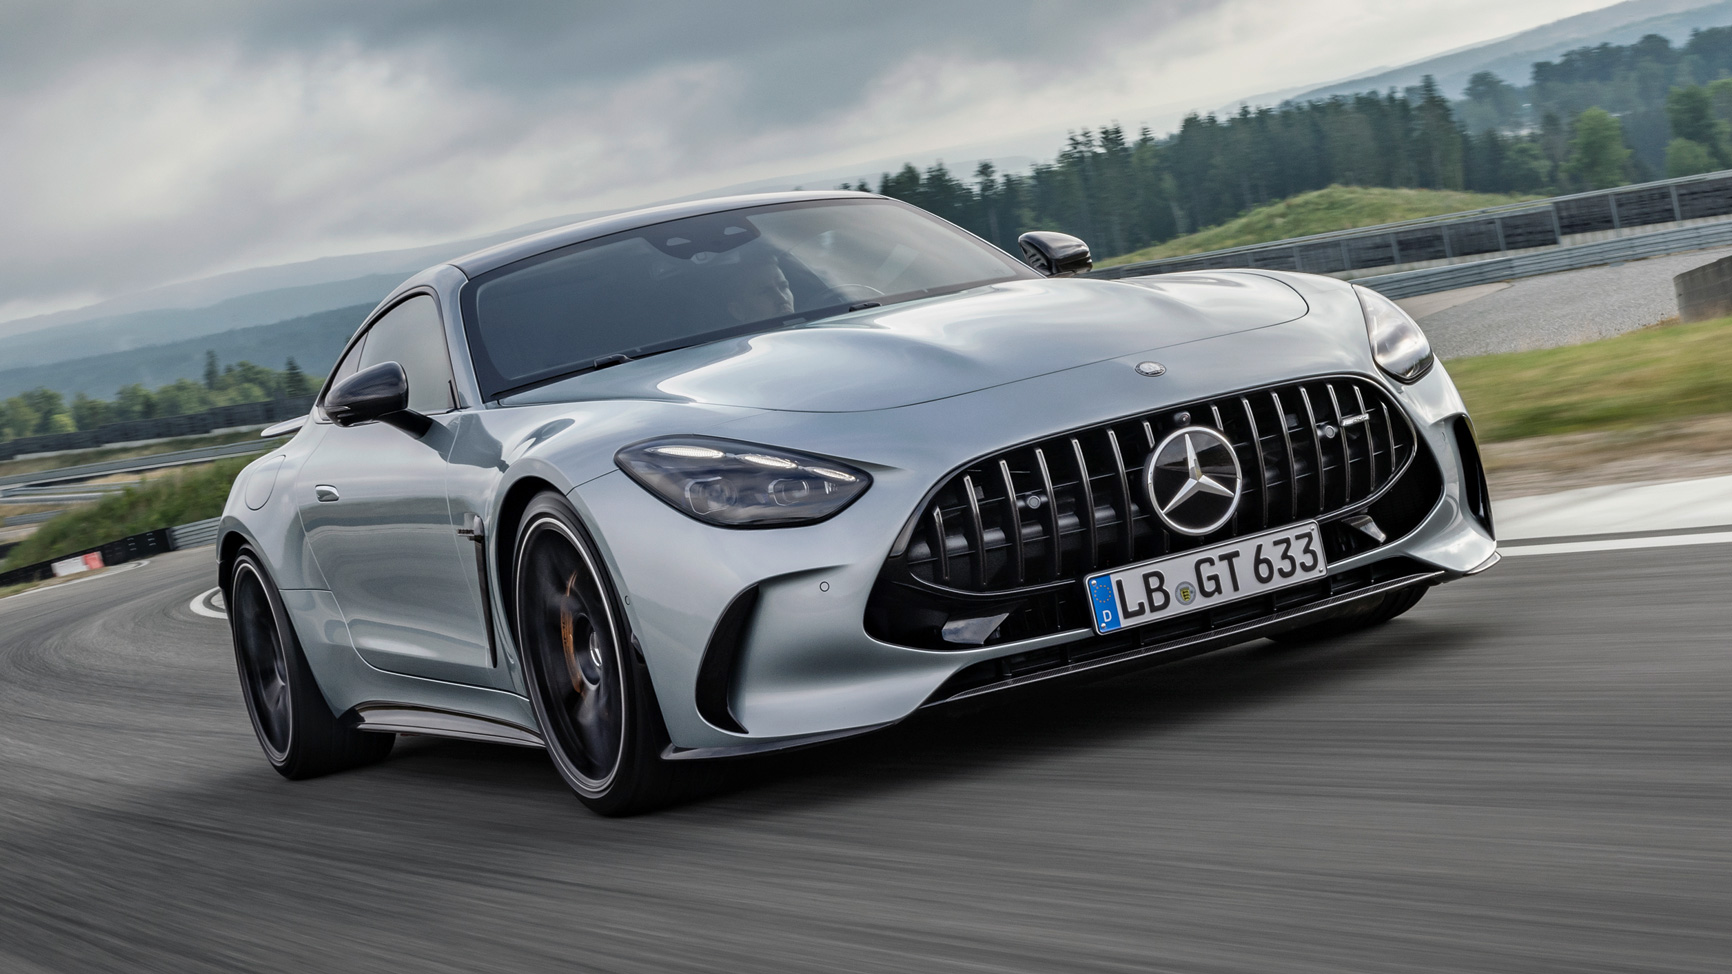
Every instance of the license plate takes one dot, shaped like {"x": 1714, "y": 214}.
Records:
{"x": 1166, "y": 587}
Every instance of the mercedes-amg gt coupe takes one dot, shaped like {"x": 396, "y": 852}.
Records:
{"x": 726, "y": 477}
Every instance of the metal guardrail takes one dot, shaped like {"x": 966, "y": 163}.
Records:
{"x": 162, "y": 427}
{"x": 194, "y": 535}
{"x": 1430, "y": 280}
{"x": 156, "y": 461}
{"x": 1500, "y": 229}
{"x": 31, "y": 491}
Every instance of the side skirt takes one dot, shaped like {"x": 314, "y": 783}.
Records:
{"x": 394, "y": 718}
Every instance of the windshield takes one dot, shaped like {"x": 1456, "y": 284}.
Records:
{"x": 708, "y": 277}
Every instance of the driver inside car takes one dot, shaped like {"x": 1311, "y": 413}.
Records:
{"x": 761, "y": 291}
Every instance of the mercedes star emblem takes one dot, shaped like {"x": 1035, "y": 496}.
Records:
{"x": 1193, "y": 479}
{"x": 1150, "y": 369}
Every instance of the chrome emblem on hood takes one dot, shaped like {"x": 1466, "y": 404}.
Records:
{"x": 1150, "y": 369}
{"x": 1193, "y": 480}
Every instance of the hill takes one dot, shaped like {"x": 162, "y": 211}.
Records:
{"x": 313, "y": 340}
{"x": 1512, "y": 58}
{"x": 1320, "y": 211}
{"x": 126, "y": 333}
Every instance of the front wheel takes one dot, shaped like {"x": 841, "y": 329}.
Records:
{"x": 591, "y": 693}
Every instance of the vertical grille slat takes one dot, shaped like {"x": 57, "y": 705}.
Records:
{"x": 1049, "y": 511}
{"x": 1221, "y": 424}
{"x": 1262, "y": 468}
{"x": 1013, "y": 520}
{"x": 1370, "y": 438}
{"x": 1086, "y": 506}
{"x": 1346, "y": 455}
{"x": 977, "y": 543}
{"x": 1292, "y": 459}
{"x": 939, "y": 545}
{"x": 1389, "y": 429}
{"x": 1127, "y": 523}
{"x": 1316, "y": 450}
{"x": 1054, "y": 544}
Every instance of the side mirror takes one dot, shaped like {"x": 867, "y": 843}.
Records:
{"x": 1055, "y": 254}
{"x": 378, "y": 392}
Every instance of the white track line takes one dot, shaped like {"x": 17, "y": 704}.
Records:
{"x": 1617, "y": 544}
{"x": 198, "y": 606}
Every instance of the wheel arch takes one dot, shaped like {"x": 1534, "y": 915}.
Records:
{"x": 228, "y": 549}
{"x": 505, "y": 528}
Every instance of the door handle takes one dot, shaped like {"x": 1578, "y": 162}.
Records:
{"x": 326, "y": 493}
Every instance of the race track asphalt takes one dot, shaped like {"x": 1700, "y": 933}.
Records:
{"x": 1529, "y": 772}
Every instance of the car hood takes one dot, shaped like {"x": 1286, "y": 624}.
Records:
{"x": 944, "y": 346}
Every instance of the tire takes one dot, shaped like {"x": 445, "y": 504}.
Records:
{"x": 300, "y": 736}
{"x": 590, "y": 689}
{"x": 1372, "y": 612}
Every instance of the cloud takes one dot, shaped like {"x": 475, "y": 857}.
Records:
{"x": 142, "y": 143}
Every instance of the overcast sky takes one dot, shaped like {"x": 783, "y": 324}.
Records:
{"x": 143, "y": 143}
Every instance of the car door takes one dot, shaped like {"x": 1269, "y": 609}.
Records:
{"x": 373, "y": 504}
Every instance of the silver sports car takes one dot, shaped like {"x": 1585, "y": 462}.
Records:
{"x": 725, "y": 477}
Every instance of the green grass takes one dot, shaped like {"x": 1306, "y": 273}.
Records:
{"x": 1667, "y": 372}
{"x": 1321, "y": 211}
{"x": 193, "y": 494}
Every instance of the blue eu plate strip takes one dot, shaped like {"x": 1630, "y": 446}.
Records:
{"x": 1106, "y": 607}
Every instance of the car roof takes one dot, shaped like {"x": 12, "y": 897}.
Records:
{"x": 498, "y": 255}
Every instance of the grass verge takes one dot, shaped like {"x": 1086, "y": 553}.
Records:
{"x": 191, "y": 494}
{"x": 1320, "y": 211}
{"x": 1659, "y": 374}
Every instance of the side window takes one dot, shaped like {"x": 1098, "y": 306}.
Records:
{"x": 350, "y": 364}
{"x": 412, "y": 336}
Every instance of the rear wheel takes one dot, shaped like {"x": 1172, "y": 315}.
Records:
{"x": 1371, "y": 612}
{"x": 300, "y": 736}
{"x": 591, "y": 692}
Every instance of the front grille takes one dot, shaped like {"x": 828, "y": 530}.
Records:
{"x": 1015, "y": 531}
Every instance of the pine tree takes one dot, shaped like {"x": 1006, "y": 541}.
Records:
{"x": 294, "y": 380}
{"x": 211, "y": 372}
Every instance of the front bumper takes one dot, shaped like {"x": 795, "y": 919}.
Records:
{"x": 805, "y": 669}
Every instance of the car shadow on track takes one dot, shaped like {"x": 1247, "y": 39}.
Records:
{"x": 1034, "y": 723}
{"x": 1044, "y": 721}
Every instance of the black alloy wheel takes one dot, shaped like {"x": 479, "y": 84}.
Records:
{"x": 590, "y": 691}
{"x": 263, "y": 664}
{"x": 300, "y": 736}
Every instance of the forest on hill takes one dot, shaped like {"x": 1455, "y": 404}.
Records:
{"x": 42, "y": 411}
{"x": 1596, "y": 117}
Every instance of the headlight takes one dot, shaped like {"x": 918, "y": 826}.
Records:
{"x": 1397, "y": 343}
{"x": 742, "y": 485}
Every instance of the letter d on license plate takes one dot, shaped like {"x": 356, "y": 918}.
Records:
{"x": 1201, "y": 579}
